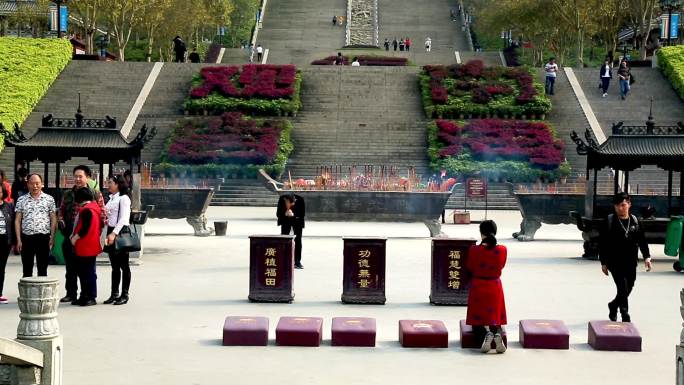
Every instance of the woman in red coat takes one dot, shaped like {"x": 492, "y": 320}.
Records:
{"x": 486, "y": 305}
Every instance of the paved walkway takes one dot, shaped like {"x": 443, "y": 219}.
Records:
{"x": 170, "y": 331}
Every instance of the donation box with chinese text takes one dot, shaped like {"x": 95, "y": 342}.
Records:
{"x": 449, "y": 276}
{"x": 364, "y": 270}
{"x": 271, "y": 264}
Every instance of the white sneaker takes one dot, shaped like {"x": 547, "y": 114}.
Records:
{"x": 3, "y": 300}
{"x": 605, "y": 94}
{"x": 498, "y": 341}
{"x": 487, "y": 344}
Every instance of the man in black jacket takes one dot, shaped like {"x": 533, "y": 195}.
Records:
{"x": 290, "y": 213}
{"x": 620, "y": 242}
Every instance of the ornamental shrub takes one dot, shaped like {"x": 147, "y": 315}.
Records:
{"x": 27, "y": 69}
{"x": 671, "y": 62}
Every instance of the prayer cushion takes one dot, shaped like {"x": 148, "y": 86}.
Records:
{"x": 468, "y": 340}
{"x": 614, "y": 336}
{"x": 353, "y": 331}
{"x": 299, "y": 331}
{"x": 544, "y": 334}
{"x": 423, "y": 334}
{"x": 245, "y": 331}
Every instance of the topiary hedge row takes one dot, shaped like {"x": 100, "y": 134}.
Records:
{"x": 671, "y": 62}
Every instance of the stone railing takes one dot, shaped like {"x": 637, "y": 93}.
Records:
{"x": 362, "y": 23}
{"x": 35, "y": 357}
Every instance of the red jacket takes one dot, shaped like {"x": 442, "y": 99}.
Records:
{"x": 486, "y": 304}
{"x": 88, "y": 245}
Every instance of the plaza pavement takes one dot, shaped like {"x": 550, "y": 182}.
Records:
{"x": 170, "y": 331}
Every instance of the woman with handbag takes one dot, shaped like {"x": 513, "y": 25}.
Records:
{"x": 118, "y": 222}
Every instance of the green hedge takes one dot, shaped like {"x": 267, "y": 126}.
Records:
{"x": 217, "y": 104}
{"x": 276, "y": 169}
{"x": 28, "y": 67}
{"x": 671, "y": 62}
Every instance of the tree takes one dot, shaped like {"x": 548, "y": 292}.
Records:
{"x": 123, "y": 16}
{"x": 576, "y": 15}
{"x": 88, "y": 12}
{"x": 153, "y": 16}
{"x": 640, "y": 18}
{"x": 609, "y": 19}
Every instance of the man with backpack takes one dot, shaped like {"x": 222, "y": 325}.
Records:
{"x": 179, "y": 49}
{"x": 619, "y": 247}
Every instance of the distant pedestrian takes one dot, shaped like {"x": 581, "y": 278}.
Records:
{"x": 606, "y": 73}
{"x": 194, "y": 57}
{"x": 402, "y": 45}
{"x": 356, "y": 63}
{"x": 260, "y": 53}
{"x": 6, "y": 197}
{"x": 486, "y": 304}
{"x": 339, "y": 59}
{"x": 387, "y": 44}
{"x": 35, "y": 225}
{"x": 408, "y": 44}
{"x": 179, "y": 49}
{"x": 551, "y": 69}
{"x": 19, "y": 186}
{"x": 251, "y": 53}
{"x": 7, "y": 238}
{"x": 624, "y": 74}
{"x": 428, "y": 44}
{"x": 118, "y": 219}
{"x": 86, "y": 242}
{"x": 334, "y": 21}
{"x": 395, "y": 43}
{"x": 619, "y": 245}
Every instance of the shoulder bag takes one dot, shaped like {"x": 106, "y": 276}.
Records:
{"x": 127, "y": 240}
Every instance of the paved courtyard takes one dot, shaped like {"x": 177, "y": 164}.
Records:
{"x": 170, "y": 331}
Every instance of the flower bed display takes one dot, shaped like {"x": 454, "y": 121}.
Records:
{"x": 27, "y": 69}
{"x": 259, "y": 89}
{"x": 226, "y": 145}
{"x": 365, "y": 60}
{"x": 671, "y": 61}
{"x": 513, "y": 150}
{"x": 472, "y": 90}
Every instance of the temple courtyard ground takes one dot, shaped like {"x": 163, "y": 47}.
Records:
{"x": 170, "y": 332}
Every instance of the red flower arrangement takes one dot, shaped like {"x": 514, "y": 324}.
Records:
{"x": 252, "y": 80}
{"x": 492, "y": 139}
{"x": 231, "y": 138}
{"x": 365, "y": 60}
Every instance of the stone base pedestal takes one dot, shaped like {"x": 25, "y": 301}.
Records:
{"x": 52, "y": 358}
{"x": 680, "y": 365}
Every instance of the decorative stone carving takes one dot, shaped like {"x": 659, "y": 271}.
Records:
{"x": 362, "y": 23}
{"x": 5, "y": 372}
{"x": 38, "y": 302}
{"x": 199, "y": 224}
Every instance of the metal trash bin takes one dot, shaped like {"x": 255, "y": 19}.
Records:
{"x": 220, "y": 228}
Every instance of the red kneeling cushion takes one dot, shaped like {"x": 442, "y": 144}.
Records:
{"x": 299, "y": 331}
{"x": 614, "y": 336}
{"x": 423, "y": 334}
{"x": 245, "y": 331}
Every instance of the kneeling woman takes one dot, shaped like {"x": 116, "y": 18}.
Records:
{"x": 118, "y": 217}
{"x": 486, "y": 305}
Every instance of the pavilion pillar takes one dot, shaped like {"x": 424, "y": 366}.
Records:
{"x": 101, "y": 179}
{"x": 681, "y": 192}
{"x": 590, "y": 193}
{"x": 58, "y": 174}
{"x": 669, "y": 192}
{"x": 616, "y": 181}
{"x": 46, "y": 173}
{"x": 626, "y": 182}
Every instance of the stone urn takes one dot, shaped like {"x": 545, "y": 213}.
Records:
{"x": 38, "y": 302}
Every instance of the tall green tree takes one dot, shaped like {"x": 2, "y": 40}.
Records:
{"x": 88, "y": 14}
{"x": 122, "y": 17}
{"x": 640, "y": 18}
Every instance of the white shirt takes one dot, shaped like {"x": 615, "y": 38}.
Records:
{"x": 551, "y": 69}
{"x": 115, "y": 219}
{"x": 356, "y": 64}
{"x": 260, "y": 49}
{"x": 606, "y": 71}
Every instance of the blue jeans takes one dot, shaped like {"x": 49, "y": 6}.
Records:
{"x": 624, "y": 87}
{"x": 550, "y": 81}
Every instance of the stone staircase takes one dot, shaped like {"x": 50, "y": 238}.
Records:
{"x": 359, "y": 116}
{"x": 300, "y": 31}
{"x": 498, "y": 198}
{"x": 243, "y": 192}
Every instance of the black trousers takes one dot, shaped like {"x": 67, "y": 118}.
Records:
{"x": 35, "y": 246}
{"x": 4, "y": 255}
{"x": 285, "y": 230}
{"x": 624, "y": 283}
{"x": 85, "y": 267}
{"x": 605, "y": 83}
{"x": 120, "y": 269}
{"x": 481, "y": 331}
{"x": 71, "y": 268}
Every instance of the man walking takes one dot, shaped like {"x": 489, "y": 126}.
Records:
{"x": 35, "y": 225}
{"x": 290, "y": 213}
{"x": 68, "y": 210}
{"x": 179, "y": 49}
{"x": 619, "y": 247}
{"x": 551, "y": 69}
{"x": 428, "y": 44}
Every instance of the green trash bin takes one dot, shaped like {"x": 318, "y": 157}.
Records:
{"x": 57, "y": 248}
{"x": 673, "y": 240}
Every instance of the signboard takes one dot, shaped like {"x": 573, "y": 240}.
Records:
{"x": 64, "y": 18}
{"x": 669, "y": 26}
{"x": 271, "y": 268}
{"x": 449, "y": 279}
{"x": 363, "y": 279}
{"x": 476, "y": 188}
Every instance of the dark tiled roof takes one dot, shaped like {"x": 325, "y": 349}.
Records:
{"x": 10, "y": 7}
{"x": 647, "y": 146}
{"x": 77, "y": 138}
